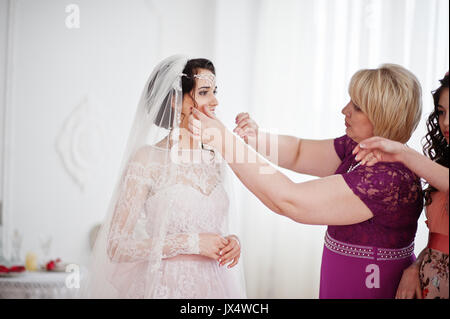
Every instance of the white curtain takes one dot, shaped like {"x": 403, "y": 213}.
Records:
{"x": 288, "y": 63}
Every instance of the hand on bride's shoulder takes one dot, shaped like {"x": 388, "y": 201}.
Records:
{"x": 246, "y": 128}
{"x": 210, "y": 245}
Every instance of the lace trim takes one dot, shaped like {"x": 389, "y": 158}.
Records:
{"x": 201, "y": 177}
{"x": 181, "y": 244}
{"x": 128, "y": 240}
{"x": 193, "y": 244}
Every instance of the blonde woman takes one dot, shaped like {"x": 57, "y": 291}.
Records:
{"x": 427, "y": 277}
{"x": 371, "y": 212}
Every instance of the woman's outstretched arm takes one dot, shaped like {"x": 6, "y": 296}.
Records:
{"x": 325, "y": 201}
{"x": 312, "y": 157}
{"x": 379, "y": 149}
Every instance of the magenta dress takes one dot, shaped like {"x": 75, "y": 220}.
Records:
{"x": 366, "y": 260}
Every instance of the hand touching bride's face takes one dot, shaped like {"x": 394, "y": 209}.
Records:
{"x": 202, "y": 95}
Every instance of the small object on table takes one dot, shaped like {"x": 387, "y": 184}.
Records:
{"x": 12, "y": 271}
{"x": 55, "y": 265}
{"x": 17, "y": 268}
{"x": 31, "y": 263}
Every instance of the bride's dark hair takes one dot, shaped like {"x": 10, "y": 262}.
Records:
{"x": 435, "y": 147}
{"x": 191, "y": 69}
{"x": 165, "y": 119}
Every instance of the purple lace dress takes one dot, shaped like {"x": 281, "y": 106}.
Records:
{"x": 366, "y": 260}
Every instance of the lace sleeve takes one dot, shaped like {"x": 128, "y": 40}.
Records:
{"x": 344, "y": 146}
{"x": 181, "y": 244}
{"x": 385, "y": 188}
{"x": 125, "y": 240}
{"x": 122, "y": 245}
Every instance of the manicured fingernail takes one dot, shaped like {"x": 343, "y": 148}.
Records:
{"x": 362, "y": 145}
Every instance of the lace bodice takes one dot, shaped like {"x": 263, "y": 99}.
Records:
{"x": 390, "y": 190}
{"x": 189, "y": 197}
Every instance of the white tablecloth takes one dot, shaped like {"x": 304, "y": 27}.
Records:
{"x": 39, "y": 284}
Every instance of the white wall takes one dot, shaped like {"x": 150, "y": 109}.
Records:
{"x": 73, "y": 97}
{"x": 3, "y": 41}
{"x": 72, "y": 94}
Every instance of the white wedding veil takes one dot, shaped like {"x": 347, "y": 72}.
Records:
{"x": 127, "y": 243}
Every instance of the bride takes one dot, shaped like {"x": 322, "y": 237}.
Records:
{"x": 167, "y": 231}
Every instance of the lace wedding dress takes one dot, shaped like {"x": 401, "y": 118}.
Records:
{"x": 148, "y": 245}
{"x": 191, "y": 199}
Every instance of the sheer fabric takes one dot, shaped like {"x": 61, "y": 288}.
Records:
{"x": 165, "y": 196}
{"x": 199, "y": 204}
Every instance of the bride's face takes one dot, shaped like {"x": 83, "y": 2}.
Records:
{"x": 204, "y": 93}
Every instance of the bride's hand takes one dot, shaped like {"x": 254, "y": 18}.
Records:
{"x": 210, "y": 245}
{"x": 232, "y": 252}
{"x": 246, "y": 128}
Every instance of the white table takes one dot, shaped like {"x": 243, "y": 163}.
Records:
{"x": 37, "y": 284}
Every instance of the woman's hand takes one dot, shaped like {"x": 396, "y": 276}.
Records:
{"x": 246, "y": 128}
{"x": 205, "y": 126}
{"x": 378, "y": 149}
{"x": 232, "y": 252}
{"x": 409, "y": 287}
{"x": 211, "y": 244}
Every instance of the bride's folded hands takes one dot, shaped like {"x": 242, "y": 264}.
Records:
{"x": 210, "y": 245}
{"x": 223, "y": 249}
{"x": 231, "y": 253}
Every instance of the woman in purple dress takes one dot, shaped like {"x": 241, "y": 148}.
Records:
{"x": 371, "y": 212}
{"x": 428, "y": 276}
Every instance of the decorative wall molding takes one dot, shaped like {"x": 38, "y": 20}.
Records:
{"x": 82, "y": 143}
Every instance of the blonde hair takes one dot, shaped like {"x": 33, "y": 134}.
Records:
{"x": 391, "y": 97}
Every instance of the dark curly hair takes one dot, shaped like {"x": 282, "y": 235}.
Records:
{"x": 435, "y": 146}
